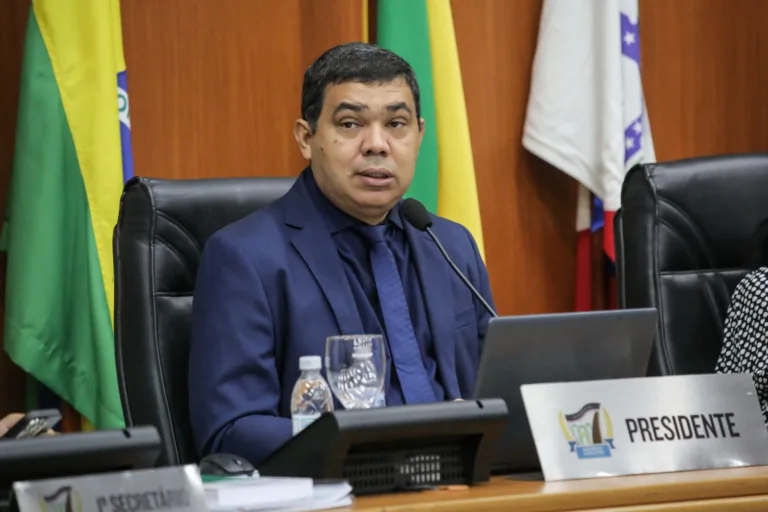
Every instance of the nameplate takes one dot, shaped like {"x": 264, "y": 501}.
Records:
{"x": 174, "y": 489}
{"x": 646, "y": 425}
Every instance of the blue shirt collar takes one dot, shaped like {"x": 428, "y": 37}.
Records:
{"x": 335, "y": 219}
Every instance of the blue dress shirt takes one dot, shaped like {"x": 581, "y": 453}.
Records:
{"x": 353, "y": 249}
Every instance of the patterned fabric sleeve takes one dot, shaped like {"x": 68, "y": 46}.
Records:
{"x": 745, "y": 340}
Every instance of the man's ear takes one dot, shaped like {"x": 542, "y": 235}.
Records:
{"x": 303, "y": 135}
{"x": 422, "y": 125}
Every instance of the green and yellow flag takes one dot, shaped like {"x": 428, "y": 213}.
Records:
{"x": 71, "y": 158}
{"x": 421, "y": 31}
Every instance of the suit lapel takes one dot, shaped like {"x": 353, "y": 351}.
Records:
{"x": 435, "y": 279}
{"x": 315, "y": 246}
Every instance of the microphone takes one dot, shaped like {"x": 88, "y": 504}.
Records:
{"x": 413, "y": 212}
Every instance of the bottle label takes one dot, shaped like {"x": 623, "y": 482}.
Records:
{"x": 302, "y": 421}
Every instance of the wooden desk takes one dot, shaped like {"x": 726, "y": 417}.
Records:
{"x": 702, "y": 491}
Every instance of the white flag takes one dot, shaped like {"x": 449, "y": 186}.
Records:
{"x": 586, "y": 111}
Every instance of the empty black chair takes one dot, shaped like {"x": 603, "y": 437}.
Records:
{"x": 682, "y": 238}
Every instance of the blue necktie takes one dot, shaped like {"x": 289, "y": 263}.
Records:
{"x": 397, "y": 319}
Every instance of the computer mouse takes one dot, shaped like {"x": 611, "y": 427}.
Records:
{"x": 225, "y": 464}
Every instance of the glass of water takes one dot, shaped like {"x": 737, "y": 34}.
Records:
{"x": 355, "y": 368}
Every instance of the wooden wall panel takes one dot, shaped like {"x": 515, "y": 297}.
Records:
{"x": 13, "y": 22}
{"x": 528, "y": 207}
{"x": 705, "y": 75}
{"x": 215, "y": 86}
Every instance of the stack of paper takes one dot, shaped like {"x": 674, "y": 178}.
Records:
{"x": 269, "y": 494}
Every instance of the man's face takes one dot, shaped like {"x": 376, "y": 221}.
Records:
{"x": 364, "y": 151}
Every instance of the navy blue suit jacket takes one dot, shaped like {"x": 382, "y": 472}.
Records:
{"x": 271, "y": 288}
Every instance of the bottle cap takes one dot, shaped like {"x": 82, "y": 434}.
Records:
{"x": 362, "y": 351}
{"x": 308, "y": 363}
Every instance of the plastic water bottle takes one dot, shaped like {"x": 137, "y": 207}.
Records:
{"x": 311, "y": 394}
{"x": 362, "y": 381}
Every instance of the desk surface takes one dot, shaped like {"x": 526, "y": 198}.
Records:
{"x": 730, "y": 489}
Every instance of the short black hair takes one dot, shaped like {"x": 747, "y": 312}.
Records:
{"x": 758, "y": 254}
{"x": 364, "y": 63}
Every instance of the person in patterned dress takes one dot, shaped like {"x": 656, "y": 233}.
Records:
{"x": 745, "y": 337}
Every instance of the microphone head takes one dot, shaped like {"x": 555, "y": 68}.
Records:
{"x": 413, "y": 212}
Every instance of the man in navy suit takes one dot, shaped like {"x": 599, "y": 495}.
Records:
{"x": 333, "y": 257}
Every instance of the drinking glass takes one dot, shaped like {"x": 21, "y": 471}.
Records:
{"x": 355, "y": 368}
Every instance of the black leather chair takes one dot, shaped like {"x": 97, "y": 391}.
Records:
{"x": 682, "y": 238}
{"x": 160, "y": 233}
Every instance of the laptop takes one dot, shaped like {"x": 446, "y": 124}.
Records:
{"x": 564, "y": 347}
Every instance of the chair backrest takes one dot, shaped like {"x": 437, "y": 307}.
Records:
{"x": 682, "y": 238}
{"x": 161, "y": 230}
